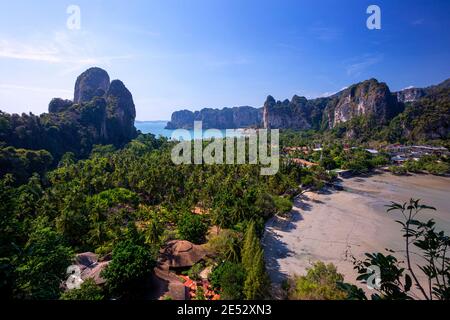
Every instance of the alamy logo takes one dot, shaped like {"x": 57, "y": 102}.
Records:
{"x": 74, "y": 20}
{"x": 374, "y": 280}
{"x": 74, "y": 280}
{"x": 260, "y": 150}
{"x": 374, "y": 20}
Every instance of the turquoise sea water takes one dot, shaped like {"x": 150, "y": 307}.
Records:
{"x": 154, "y": 127}
{"x": 157, "y": 128}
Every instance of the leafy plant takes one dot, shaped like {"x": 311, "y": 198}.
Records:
{"x": 396, "y": 281}
{"x": 132, "y": 260}
{"x": 88, "y": 290}
{"x": 192, "y": 228}
{"x": 320, "y": 283}
{"x": 229, "y": 277}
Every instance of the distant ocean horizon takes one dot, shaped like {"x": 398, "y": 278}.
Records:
{"x": 158, "y": 128}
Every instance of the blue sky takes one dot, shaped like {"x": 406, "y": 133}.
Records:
{"x": 217, "y": 53}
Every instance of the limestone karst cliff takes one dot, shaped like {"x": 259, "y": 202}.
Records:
{"x": 227, "y": 118}
{"x": 366, "y": 104}
{"x": 101, "y": 113}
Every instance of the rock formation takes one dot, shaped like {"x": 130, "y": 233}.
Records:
{"x": 410, "y": 95}
{"x": 369, "y": 98}
{"x": 59, "y": 105}
{"x": 101, "y": 113}
{"x": 266, "y": 124}
{"x": 227, "y": 118}
{"x": 366, "y": 99}
{"x": 94, "y": 82}
{"x": 297, "y": 113}
{"x": 121, "y": 112}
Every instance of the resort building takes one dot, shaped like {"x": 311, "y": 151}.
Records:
{"x": 303, "y": 163}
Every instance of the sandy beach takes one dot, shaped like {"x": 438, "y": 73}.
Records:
{"x": 334, "y": 226}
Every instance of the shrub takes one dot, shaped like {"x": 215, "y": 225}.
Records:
{"x": 88, "y": 290}
{"x": 437, "y": 168}
{"x": 192, "y": 228}
{"x": 398, "y": 277}
{"x": 413, "y": 166}
{"x": 398, "y": 170}
{"x": 320, "y": 283}
{"x": 132, "y": 260}
{"x": 194, "y": 271}
{"x": 282, "y": 205}
{"x": 44, "y": 265}
{"x": 226, "y": 245}
{"x": 228, "y": 277}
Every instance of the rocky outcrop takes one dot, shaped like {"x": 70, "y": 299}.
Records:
{"x": 297, "y": 113}
{"x": 410, "y": 95}
{"x": 367, "y": 99}
{"x": 59, "y": 105}
{"x": 266, "y": 124}
{"x": 427, "y": 118}
{"x": 102, "y": 113}
{"x": 183, "y": 119}
{"x": 227, "y": 118}
{"x": 121, "y": 112}
{"x": 363, "y": 108}
{"x": 94, "y": 82}
{"x": 414, "y": 94}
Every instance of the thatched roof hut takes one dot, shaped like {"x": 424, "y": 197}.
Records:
{"x": 182, "y": 254}
{"x": 165, "y": 283}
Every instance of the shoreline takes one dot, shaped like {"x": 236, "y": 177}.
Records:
{"x": 334, "y": 226}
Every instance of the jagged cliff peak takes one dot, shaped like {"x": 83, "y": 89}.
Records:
{"x": 101, "y": 113}
{"x": 370, "y": 101}
{"x": 270, "y": 99}
{"x": 369, "y": 98}
{"x": 121, "y": 111}
{"x": 59, "y": 105}
{"x": 298, "y": 99}
{"x": 94, "y": 82}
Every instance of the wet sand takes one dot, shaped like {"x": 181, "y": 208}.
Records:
{"x": 334, "y": 226}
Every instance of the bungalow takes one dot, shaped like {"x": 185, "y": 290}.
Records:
{"x": 428, "y": 150}
{"x": 304, "y": 163}
{"x": 372, "y": 151}
{"x": 397, "y": 148}
{"x": 176, "y": 255}
{"x": 398, "y": 159}
{"x": 181, "y": 254}
{"x": 302, "y": 149}
{"x": 199, "y": 211}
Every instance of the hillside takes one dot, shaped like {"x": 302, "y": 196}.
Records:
{"x": 102, "y": 112}
{"x": 355, "y": 112}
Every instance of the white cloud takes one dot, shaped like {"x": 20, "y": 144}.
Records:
{"x": 35, "y": 89}
{"x": 73, "y": 49}
{"x": 358, "y": 65}
{"x": 331, "y": 93}
{"x": 14, "y": 50}
{"x": 327, "y": 94}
